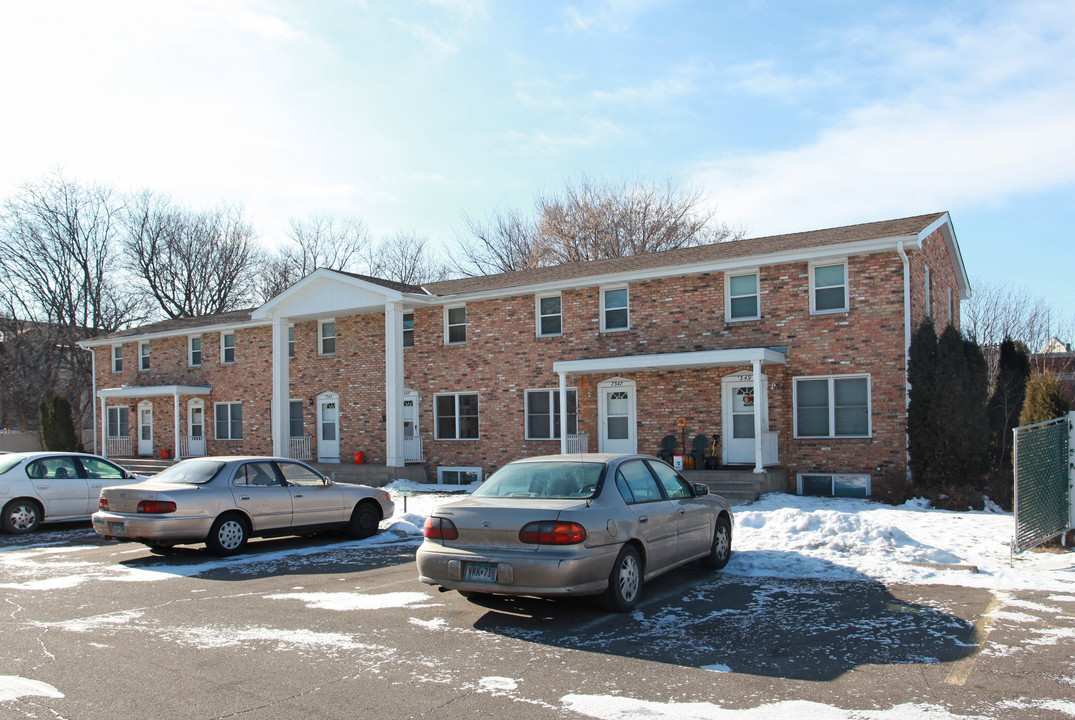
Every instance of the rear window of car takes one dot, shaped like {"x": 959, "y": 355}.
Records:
{"x": 9, "y": 461}
{"x": 543, "y": 480}
{"x": 190, "y": 472}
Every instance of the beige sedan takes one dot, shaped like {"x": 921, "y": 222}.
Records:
{"x": 222, "y": 501}
{"x": 575, "y": 525}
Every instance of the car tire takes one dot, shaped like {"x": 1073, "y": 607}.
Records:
{"x": 721, "y": 550}
{"x": 228, "y": 535}
{"x": 364, "y": 521}
{"x": 21, "y": 516}
{"x": 624, "y": 582}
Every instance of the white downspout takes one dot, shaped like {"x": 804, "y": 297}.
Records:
{"x": 178, "y": 429}
{"x": 906, "y": 348}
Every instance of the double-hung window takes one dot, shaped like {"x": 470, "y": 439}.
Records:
{"x": 143, "y": 355}
{"x": 457, "y": 416}
{"x": 832, "y": 407}
{"x": 227, "y": 347}
{"x": 295, "y": 424}
{"x": 929, "y": 293}
{"x": 194, "y": 350}
{"x": 828, "y": 288}
{"x": 326, "y": 337}
{"x": 455, "y": 325}
{"x": 408, "y": 330}
{"x": 550, "y": 320}
{"x": 291, "y": 341}
{"x": 229, "y": 420}
{"x": 118, "y": 421}
{"x": 543, "y": 414}
{"x": 741, "y": 297}
{"x": 117, "y": 358}
{"x": 615, "y": 312}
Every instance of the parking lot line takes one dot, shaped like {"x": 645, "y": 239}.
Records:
{"x": 962, "y": 668}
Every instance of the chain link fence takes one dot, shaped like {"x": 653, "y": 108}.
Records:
{"x": 1042, "y": 482}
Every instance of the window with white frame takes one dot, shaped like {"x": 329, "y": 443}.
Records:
{"x": 117, "y": 421}
{"x": 543, "y": 414}
{"x": 828, "y": 287}
{"x": 295, "y": 420}
{"x": 408, "y": 330}
{"x": 117, "y": 358}
{"x": 550, "y": 320}
{"x": 951, "y": 310}
{"x": 326, "y": 337}
{"x": 459, "y": 475}
{"x": 832, "y": 406}
{"x": 143, "y": 355}
{"x": 838, "y": 485}
{"x": 194, "y": 350}
{"x": 229, "y": 420}
{"x": 929, "y": 293}
{"x": 227, "y": 347}
{"x": 742, "y": 296}
{"x": 291, "y": 341}
{"x": 615, "y": 312}
{"x": 455, "y": 325}
{"x": 457, "y": 416}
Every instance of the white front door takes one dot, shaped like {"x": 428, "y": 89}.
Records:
{"x": 196, "y": 429}
{"x": 145, "y": 428}
{"x": 412, "y": 443}
{"x": 739, "y": 406}
{"x": 616, "y": 416}
{"x": 328, "y": 428}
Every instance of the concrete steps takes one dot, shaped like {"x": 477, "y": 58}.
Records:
{"x": 143, "y": 465}
{"x": 740, "y": 487}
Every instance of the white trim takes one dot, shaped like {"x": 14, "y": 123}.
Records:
{"x": 831, "y": 406}
{"x": 404, "y": 330}
{"x": 322, "y": 337}
{"x": 669, "y": 361}
{"x": 538, "y": 316}
{"x": 216, "y": 416}
{"x": 454, "y": 468}
{"x": 395, "y": 453}
{"x": 465, "y": 324}
{"x": 616, "y": 384}
{"x": 605, "y": 289}
{"x": 190, "y": 350}
{"x": 266, "y": 311}
{"x": 552, "y": 392}
{"x": 436, "y": 425}
{"x": 279, "y": 417}
{"x": 144, "y": 357}
{"x": 728, "y": 294}
{"x": 118, "y": 346}
{"x": 223, "y": 348}
{"x": 813, "y": 266}
{"x": 177, "y": 332}
{"x": 137, "y": 391}
{"x": 290, "y": 340}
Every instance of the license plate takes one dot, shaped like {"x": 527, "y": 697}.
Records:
{"x": 481, "y": 572}
{"x": 117, "y": 528}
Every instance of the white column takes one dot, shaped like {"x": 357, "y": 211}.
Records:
{"x": 104, "y": 429}
{"x": 393, "y": 384}
{"x": 281, "y": 389}
{"x": 759, "y": 464}
{"x": 563, "y": 413}
{"x": 178, "y": 429}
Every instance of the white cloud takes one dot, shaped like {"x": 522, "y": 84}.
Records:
{"x": 611, "y": 16}
{"x": 679, "y": 81}
{"x": 597, "y": 132}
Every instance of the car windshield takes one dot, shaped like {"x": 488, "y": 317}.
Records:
{"x": 543, "y": 480}
{"x": 190, "y": 472}
{"x": 9, "y": 461}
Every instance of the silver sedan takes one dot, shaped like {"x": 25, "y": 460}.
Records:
{"x": 222, "y": 501}
{"x": 575, "y": 525}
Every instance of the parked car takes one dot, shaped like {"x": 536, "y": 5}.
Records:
{"x": 582, "y": 524}
{"x": 37, "y": 487}
{"x": 223, "y": 501}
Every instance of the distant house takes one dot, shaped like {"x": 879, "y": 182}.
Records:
{"x": 1056, "y": 357}
{"x": 790, "y": 350}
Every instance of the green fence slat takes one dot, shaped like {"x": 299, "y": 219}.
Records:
{"x": 1041, "y": 483}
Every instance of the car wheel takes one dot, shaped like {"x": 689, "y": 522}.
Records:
{"x": 228, "y": 535}
{"x": 364, "y": 521}
{"x": 722, "y": 545}
{"x": 21, "y": 516}
{"x": 624, "y": 582}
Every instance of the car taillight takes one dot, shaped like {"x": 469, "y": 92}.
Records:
{"x": 156, "y": 507}
{"x": 552, "y": 532}
{"x": 440, "y": 529}
{"x": 102, "y": 504}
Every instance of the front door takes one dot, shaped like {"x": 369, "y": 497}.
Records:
{"x": 145, "y": 428}
{"x": 616, "y": 398}
{"x": 196, "y": 422}
{"x": 739, "y": 406}
{"x": 328, "y": 428}
{"x": 412, "y": 445}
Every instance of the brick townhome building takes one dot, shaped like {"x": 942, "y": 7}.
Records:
{"x": 791, "y": 349}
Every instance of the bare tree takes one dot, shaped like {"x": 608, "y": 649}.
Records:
{"x": 405, "y": 257}
{"x": 506, "y": 243}
{"x": 320, "y": 241}
{"x": 191, "y": 262}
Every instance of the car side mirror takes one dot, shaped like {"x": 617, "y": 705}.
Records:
{"x": 700, "y": 489}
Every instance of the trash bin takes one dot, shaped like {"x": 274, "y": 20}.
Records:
{"x": 677, "y": 462}
{"x": 358, "y": 458}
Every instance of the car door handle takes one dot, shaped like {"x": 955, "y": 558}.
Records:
{"x": 683, "y": 511}
{"x": 42, "y": 487}
{"x": 643, "y": 518}
{"x": 297, "y": 495}
{"x": 244, "y": 497}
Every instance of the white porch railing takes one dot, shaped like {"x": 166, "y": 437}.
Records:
{"x": 578, "y": 443}
{"x": 412, "y": 449}
{"x": 770, "y": 447}
{"x": 191, "y": 447}
{"x": 299, "y": 448}
{"x": 119, "y": 446}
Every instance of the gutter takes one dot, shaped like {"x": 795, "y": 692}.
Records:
{"x": 906, "y": 348}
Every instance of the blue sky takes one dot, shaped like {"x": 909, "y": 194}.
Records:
{"x": 787, "y": 115}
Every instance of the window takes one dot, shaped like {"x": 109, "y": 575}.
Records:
{"x": 741, "y": 296}
{"x": 836, "y": 485}
{"x": 636, "y": 483}
{"x": 455, "y": 325}
{"x": 229, "y": 421}
{"x": 117, "y": 358}
{"x": 227, "y": 347}
{"x": 457, "y": 416}
{"x": 614, "y": 310}
{"x": 459, "y": 475}
{"x": 828, "y": 288}
{"x": 543, "y": 414}
{"x": 297, "y": 474}
{"x": 675, "y": 487}
{"x": 291, "y": 341}
{"x": 408, "y": 330}
{"x": 832, "y": 406}
{"x": 256, "y": 474}
{"x": 550, "y": 321}
{"x": 326, "y": 337}
{"x": 194, "y": 351}
{"x": 143, "y": 356}
{"x": 118, "y": 421}
{"x": 54, "y": 468}
{"x": 100, "y": 469}
{"x": 295, "y": 418}
{"x": 929, "y": 293}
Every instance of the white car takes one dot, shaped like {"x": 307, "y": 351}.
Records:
{"x": 37, "y": 487}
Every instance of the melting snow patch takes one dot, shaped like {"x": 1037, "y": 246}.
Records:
{"x": 13, "y": 687}
{"x": 498, "y": 683}
{"x": 57, "y": 583}
{"x": 355, "y": 601}
{"x": 609, "y": 707}
{"x": 97, "y": 622}
{"x": 434, "y": 624}
{"x": 717, "y": 668}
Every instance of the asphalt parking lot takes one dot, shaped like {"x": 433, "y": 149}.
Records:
{"x": 327, "y": 628}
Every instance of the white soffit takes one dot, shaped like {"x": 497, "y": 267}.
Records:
{"x": 153, "y": 391}
{"x": 670, "y": 361}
